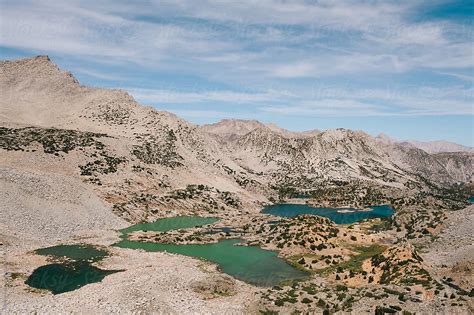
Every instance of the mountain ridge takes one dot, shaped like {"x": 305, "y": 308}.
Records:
{"x": 231, "y": 129}
{"x": 436, "y": 146}
{"x": 131, "y": 154}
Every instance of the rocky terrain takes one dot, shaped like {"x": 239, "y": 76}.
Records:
{"x": 136, "y": 157}
{"x": 151, "y": 283}
{"x": 78, "y": 163}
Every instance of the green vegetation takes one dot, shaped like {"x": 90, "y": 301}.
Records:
{"x": 57, "y": 141}
{"x": 105, "y": 165}
{"x": 355, "y": 263}
{"x": 54, "y": 141}
{"x": 208, "y": 195}
{"x": 159, "y": 151}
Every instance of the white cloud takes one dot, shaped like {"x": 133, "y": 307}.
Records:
{"x": 179, "y": 97}
{"x": 268, "y": 46}
{"x": 295, "y": 70}
{"x": 460, "y": 76}
{"x": 325, "y": 101}
{"x": 96, "y": 74}
{"x": 201, "y": 113}
{"x": 396, "y": 101}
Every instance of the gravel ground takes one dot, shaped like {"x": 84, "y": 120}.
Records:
{"x": 39, "y": 209}
{"x": 456, "y": 242}
{"x": 151, "y": 283}
{"x": 451, "y": 255}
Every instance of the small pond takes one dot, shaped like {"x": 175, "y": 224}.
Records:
{"x": 78, "y": 252}
{"x": 73, "y": 270}
{"x": 64, "y": 277}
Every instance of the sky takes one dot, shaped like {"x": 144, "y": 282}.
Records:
{"x": 403, "y": 68}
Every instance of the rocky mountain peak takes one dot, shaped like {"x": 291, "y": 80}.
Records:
{"x": 440, "y": 146}
{"x": 232, "y": 129}
{"x": 234, "y": 126}
{"x": 39, "y": 67}
{"x": 427, "y": 146}
{"x": 385, "y": 139}
{"x": 341, "y": 134}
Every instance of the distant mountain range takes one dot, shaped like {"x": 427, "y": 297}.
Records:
{"x": 231, "y": 129}
{"x": 437, "y": 146}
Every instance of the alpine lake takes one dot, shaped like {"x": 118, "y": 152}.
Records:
{"x": 74, "y": 264}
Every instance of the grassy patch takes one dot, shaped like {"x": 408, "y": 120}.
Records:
{"x": 364, "y": 252}
{"x": 355, "y": 263}
{"x": 295, "y": 261}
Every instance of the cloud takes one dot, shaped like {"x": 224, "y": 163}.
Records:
{"x": 396, "y": 101}
{"x": 326, "y": 107}
{"x": 179, "y": 97}
{"x": 331, "y": 108}
{"x": 209, "y": 114}
{"x": 96, "y": 74}
{"x": 320, "y": 101}
{"x": 69, "y": 28}
{"x": 295, "y": 70}
{"x": 459, "y": 76}
{"x": 225, "y": 33}
{"x": 275, "y": 49}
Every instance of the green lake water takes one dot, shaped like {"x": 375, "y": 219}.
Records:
{"x": 74, "y": 252}
{"x": 74, "y": 271}
{"x": 168, "y": 224}
{"x": 291, "y": 210}
{"x": 64, "y": 277}
{"x": 247, "y": 263}
{"x": 471, "y": 200}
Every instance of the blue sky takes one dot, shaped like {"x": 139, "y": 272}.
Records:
{"x": 405, "y": 68}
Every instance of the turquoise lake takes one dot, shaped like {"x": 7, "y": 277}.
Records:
{"x": 291, "y": 210}
{"x": 247, "y": 263}
{"x": 169, "y": 224}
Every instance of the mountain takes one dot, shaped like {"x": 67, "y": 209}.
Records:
{"x": 428, "y": 146}
{"x": 78, "y": 163}
{"x": 145, "y": 163}
{"x": 440, "y": 146}
{"x": 130, "y": 153}
{"x": 292, "y": 134}
{"x": 232, "y": 129}
{"x": 329, "y": 155}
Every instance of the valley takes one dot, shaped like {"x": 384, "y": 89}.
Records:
{"x": 238, "y": 215}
